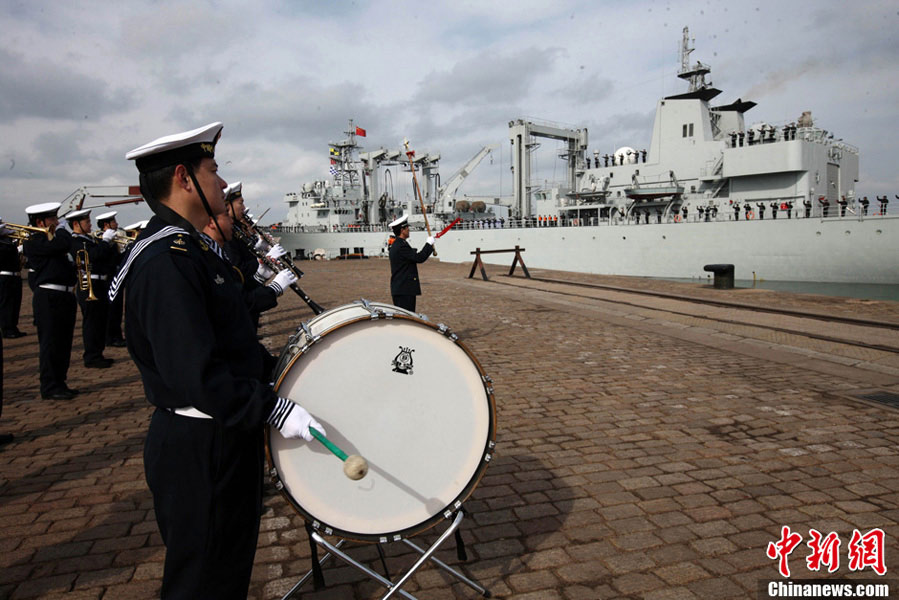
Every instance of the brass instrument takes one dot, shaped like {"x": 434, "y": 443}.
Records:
{"x": 23, "y": 232}
{"x": 122, "y": 239}
{"x": 276, "y": 265}
{"x": 83, "y": 266}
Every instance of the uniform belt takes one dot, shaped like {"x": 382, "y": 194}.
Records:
{"x": 190, "y": 411}
{"x": 57, "y": 287}
{"x": 100, "y": 277}
{"x": 10, "y": 273}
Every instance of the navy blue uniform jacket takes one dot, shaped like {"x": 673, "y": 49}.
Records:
{"x": 404, "y": 267}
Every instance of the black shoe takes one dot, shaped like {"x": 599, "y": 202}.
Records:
{"x": 14, "y": 334}
{"x": 73, "y": 391}
{"x": 5, "y": 438}
{"x": 60, "y": 395}
{"x": 116, "y": 343}
{"x": 100, "y": 363}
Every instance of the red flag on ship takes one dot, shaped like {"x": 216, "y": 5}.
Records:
{"x": 360, "y": 132}
{"x": 333, "y": 162}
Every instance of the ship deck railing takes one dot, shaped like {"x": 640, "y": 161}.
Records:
{"x": 654, "y": 219}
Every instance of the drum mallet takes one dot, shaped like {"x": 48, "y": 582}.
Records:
{"x": 355, "y": 467}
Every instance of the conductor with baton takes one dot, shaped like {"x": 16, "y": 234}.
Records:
{"x": 404, "y": 259}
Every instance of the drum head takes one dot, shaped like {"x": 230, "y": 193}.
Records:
{"x": 409, "y": 399}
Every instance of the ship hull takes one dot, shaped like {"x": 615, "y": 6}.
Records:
{"x": 814, "y": 250}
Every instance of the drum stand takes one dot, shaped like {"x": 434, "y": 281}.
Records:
{"x": 394, "y": 588}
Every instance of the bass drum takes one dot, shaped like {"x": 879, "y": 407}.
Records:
{"x": 403, "y": 393}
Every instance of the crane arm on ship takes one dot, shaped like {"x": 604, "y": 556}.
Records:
{"x": 123, "y": 194}
{"x": 446, "y": 193}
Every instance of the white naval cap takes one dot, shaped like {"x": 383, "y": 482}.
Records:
{"x": 138, "y": 225}
{"x": 399, "y": 221}
{"x": 75, "y": 214}
{"x": 44, "y": 208}
{"x": 177, "y": 148}
{"x": 233, "y": 191}
{"x": 106, "y": 216}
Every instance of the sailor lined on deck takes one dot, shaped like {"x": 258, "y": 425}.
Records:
{"x": 99, "y": 264}
{"x": 53, "y": 302}
{"x": 404, "y": 283}
{"x": 191, "y": 336}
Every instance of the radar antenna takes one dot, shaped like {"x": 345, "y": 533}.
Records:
{"x": 695, "y": 74}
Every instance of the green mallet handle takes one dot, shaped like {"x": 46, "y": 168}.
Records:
{"x": 328, "y": 444}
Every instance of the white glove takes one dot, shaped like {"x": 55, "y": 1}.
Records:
{"x": 431, "y": 239}
{"x": 262, "y": 245}
{"x": 263, "y": 273}
{"x": 293, "y": 421}
{"x": 276, "y": 252}
{"x": 282, "y": 281}
{"x": 109, "y": 235}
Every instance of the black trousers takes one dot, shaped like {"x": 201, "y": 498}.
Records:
{"x": 206, "y": 482}
{"x": 54, "y": 315}
{"x": 406, "y": 301}
{"x": 10, "y": 302}
{"x": 114, "y": 320}
{"x": 94, "y": 314}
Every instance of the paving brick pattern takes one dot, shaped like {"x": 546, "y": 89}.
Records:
{"x": 636, "y": 458}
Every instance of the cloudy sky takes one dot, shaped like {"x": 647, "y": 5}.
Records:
{"x": 84, "y": 82}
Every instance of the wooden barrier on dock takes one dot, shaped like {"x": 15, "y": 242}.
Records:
{"x": 479, "y": 263}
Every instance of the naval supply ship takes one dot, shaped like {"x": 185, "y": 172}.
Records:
{"x": 777, "y": 201}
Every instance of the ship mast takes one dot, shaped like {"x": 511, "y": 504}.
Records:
{"x": 695, "y": 74}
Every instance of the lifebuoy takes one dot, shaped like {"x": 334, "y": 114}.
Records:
{"x": 750, "y": 215}
{"x": 677, "y": 218}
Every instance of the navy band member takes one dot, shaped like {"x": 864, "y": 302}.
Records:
{"x": 258, "y": 297}
{"x": 191, "y": 337}
{"x": 10, "y": 285}
{"x": 106, "y": 222}
{"x": 53, "y": 301}
{"x": 404, "y": 284}
{"x": 101, "y": 261}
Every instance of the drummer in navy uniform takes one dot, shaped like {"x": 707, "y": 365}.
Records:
{"x": 53, "y": 301}
{"x": 107, "y": 222}
{"x": 102, "y": 257}
{"x": 192, "y": 339}
{"x": 404, "y": 284}
{"x": 10, "y": 284}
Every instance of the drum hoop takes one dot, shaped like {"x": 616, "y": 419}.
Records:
{"x": 445, "y": 513}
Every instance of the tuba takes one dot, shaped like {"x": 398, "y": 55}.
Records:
{"x": 83, "y": 266}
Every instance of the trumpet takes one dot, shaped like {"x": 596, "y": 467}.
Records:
{"x": 122, "y": 238}
{"x": 23, "y": 232}
{"x": 83, "y": 266}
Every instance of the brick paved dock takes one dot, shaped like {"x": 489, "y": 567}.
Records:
{"x": 637, "y": 457}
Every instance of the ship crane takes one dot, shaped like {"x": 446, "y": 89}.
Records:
{"x": 446, "y": 194}
{"x": 122, "y": 194}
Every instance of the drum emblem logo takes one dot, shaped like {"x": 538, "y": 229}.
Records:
{"x": 402, "y": 362}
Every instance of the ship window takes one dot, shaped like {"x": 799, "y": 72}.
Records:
{"x": 688, "y": 130}
{"x": 685, "y": 130}
{"x": 691, "y": 129}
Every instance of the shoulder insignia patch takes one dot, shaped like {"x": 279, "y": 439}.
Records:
{"x": 179, "y": 244}
{"x": 203, "y": 245}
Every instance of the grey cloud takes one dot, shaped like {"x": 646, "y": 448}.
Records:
{"x": 487, "y": 77}
{"x": 587, "y": 90}
{"x": 36, "y": 88}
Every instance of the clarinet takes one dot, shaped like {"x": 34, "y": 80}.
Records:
{"x": 276, "y": 266}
